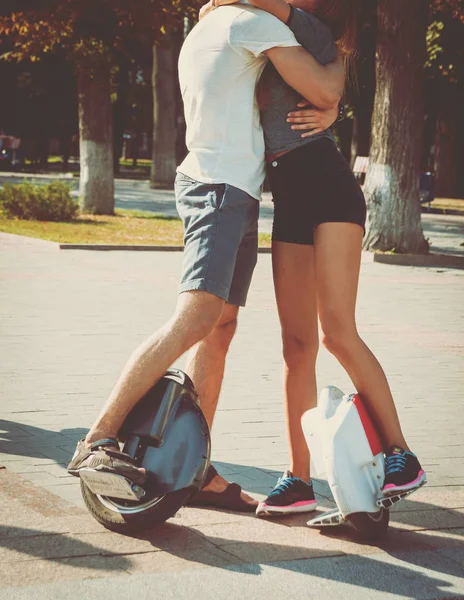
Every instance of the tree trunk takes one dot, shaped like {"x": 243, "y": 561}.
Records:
{"x": 364, "y": 102}
{"x": 43, "y": 143}
{"x": 65, "y": 150}
{"x": 361, "y": 85}
{"x": 163, "y": 168}
{"x": 344, "y": 132}
{"x": 431, "y": 108}
{"x": 96, "y": 141}
{"x": 460, "y": 144}
{"x": 446, "y": 141}
{"x": 392, "y": 180}
{"x": 361, "y": 138}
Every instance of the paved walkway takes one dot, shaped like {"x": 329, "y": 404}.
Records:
{"x": 445, "y": 232}
{"x": 68, "y": 322}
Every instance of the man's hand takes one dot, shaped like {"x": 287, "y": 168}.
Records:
{"x": 314, "y": 119}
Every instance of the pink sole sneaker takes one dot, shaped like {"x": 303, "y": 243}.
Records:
{"x": 420, "y": 480}
{"x": 264, "y": 509}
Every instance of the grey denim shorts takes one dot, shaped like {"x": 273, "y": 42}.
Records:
{"x": 220, "y": 238}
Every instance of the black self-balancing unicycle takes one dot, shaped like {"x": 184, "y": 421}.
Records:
{"x": 167, "y": 434}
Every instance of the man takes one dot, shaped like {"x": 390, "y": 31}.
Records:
{"x": 218, "y": 188}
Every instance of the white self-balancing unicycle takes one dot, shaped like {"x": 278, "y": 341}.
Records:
{"x": 345, "y": 445}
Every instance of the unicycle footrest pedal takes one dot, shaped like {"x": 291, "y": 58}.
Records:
{"x": 102, "y": 483}
{"x": 389, "y": 501}
{"x": 330, "y": 518}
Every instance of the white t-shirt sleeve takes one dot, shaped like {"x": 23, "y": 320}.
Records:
{"x": 256, "y": 31}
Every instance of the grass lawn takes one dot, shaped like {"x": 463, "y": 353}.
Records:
{"x": 51, "y": 159}
{"x": 127, "y": 227}
{"x": 141, "y": 162}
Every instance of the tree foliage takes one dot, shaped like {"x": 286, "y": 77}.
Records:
{"x": 87, "y": 29}
{"x": 445, "y": 40}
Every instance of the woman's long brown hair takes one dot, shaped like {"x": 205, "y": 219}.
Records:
{"x": 340, "y": 16}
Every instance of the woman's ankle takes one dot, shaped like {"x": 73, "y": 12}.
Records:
{"x": 301, "y": 473}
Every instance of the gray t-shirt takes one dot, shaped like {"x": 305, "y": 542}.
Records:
{"x": 278, "y": 98}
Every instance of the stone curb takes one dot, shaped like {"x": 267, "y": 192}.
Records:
{"x": 455, "y": 212}
{"x": 16, "y": 175}
{"x": 109, "y": 247}
{"x": 410, "y": 260}
{"x": 447, "y": 261}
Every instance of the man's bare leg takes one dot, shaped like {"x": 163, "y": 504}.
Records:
{"x": 205, "y": 366}
{"x": 197, "y": 314}
{"x": 206, "y": 362}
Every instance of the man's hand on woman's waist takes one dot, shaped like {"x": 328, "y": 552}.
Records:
{"x": 315, "y": 120}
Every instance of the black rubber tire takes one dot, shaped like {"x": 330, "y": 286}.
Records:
{"x": 370, "y": 526}
{"x": 160, "y": 512}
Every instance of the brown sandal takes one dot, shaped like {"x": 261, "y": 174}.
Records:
{"x": 232, "y": 498}
{"x": 105, "y": 455}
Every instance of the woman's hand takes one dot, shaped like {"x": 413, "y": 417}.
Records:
{"x": 205, "y": 10}
{"x": 314, "y": 119}
{"x": 212, "y": 4}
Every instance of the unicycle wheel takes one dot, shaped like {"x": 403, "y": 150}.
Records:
{"x": 125, "y": 516}
{"x": 370, "y": 526}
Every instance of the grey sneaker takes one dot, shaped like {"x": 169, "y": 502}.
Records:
{"x": 105, "y": 455}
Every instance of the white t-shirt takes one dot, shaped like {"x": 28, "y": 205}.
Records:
{"x": 219, "y": 65}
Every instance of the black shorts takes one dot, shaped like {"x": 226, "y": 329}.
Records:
{"x": 311, "y": 185}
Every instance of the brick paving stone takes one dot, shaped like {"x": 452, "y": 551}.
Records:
{"x": 36, "y": 572}
{"x": 167, "y": 562}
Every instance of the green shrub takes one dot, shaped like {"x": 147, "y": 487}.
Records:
{"x": 50, "y": 202}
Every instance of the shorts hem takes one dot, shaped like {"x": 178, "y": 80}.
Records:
{"x": 292, "y": 241}
{"x": 238, "y": 301}
{"x": 350, "y": 221}
{"x": 205, "y": 285}
{"x": 309, "y": 240}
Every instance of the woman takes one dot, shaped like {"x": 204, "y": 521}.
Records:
{"x": 319, "y": 218}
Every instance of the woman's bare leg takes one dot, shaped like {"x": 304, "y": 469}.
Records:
{"x": 294, "y": 282}
{"x": 337, "y": 262}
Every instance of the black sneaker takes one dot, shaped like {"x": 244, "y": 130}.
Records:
{"x": 290, "y": 495}
{"x": 402, "y": 472}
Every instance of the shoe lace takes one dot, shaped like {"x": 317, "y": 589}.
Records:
{"x": 284, "y": 484}
{"x": 395, "y": 463}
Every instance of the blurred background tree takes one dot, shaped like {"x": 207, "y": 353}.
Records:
{"x": 445, "y": 85}
{"x": 392, "y": 180}
{"x": 98, "y": 37}
{"x": 111, "y": 66}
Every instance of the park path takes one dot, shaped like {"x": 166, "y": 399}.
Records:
{"x": 69, "y": 321}
{"x": 445, "y": 232}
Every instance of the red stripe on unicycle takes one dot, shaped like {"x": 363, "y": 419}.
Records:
{"x": 369, "y": 427}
